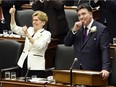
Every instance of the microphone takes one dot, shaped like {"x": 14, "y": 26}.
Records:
{"x": 75, "y": 60}
{"x": 25, "y": 78}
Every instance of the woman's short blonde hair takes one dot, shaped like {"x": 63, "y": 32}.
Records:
{"x": 41, "y": 15}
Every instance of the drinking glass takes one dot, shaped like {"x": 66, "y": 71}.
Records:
{"x": 7, "y": 75}
{"x": 13, "y": 75}
{"x": 5, "y": 33}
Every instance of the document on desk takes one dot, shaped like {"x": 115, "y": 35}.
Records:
{"x": 38, "y": 80}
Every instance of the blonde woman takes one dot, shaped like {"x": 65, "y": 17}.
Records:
{"x": 36, "y": 40}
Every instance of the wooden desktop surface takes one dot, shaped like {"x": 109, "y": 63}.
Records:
{"x": 13, "y": 38}
{"x": 82, "y": 77}
{"x": 15, "y": 83}
{"x": 11, "y": 83}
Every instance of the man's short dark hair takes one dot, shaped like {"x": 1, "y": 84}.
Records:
{"x": 82, "y": 6}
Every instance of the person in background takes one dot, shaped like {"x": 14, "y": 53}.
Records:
{"x": 69, "y": 2}
{"x": 36, "y": 41}
{"x": 5, "y": 5}
{"x": 57, "y": 23}
{"x": 107, "y": 15}
{"x": 75, "y": 2}
{"x": 79, "y": 2}
{"x": 91, "y": 42}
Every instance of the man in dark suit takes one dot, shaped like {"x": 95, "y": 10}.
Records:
{"x": 57, "y": 23}
{"x": 6, "y": 5}
{"x": 5, "y": 21}
{"x": 92, "y": 48}
{"x": 107, "y": 15}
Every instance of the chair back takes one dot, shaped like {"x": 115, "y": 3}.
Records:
{"x": 24, "y": 17}
{"x": 10, "y": 51}
{"x": 64, "y": 57}
{"x": 71, "y": 16}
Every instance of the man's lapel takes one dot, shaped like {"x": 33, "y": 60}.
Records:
{"x": 88, "y": 37}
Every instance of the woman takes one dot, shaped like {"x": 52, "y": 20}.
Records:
{"x": 36, "y": 40}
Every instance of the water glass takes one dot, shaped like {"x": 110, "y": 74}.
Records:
{"x": 5, "y": 33}
{"x": 10, "y": 33}
{"x": 13, "y": 75}
{"x": 7, "y": 75}
{"x": 34, "y": 77}
{"x": 51, "y": 80}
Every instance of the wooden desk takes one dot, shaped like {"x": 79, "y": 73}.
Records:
{"x": 82, "y": 77}
{"x": 11, "y": 83}
{"x": 50, "y": 52}
{"x": 21, "y": 40}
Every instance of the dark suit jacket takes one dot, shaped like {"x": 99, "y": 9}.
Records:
{"x": 93, "y": 54}
{"x": 108, "y": 12}
{"x": 75, "y": 2}
{"x": 79, "y": 2}
{"x": 57, "y": 23}
{"x": 6, "y": 5}
{"x": 69, "y": 2}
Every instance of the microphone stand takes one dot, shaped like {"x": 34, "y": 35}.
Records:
{"x": 71, "y": 77}
{"x": 25, "y": 78}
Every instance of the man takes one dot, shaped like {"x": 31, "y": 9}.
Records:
{"x": 92, "y": 48}
{"x": 107, "y": 15}
{"x": 5, "y": 5}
